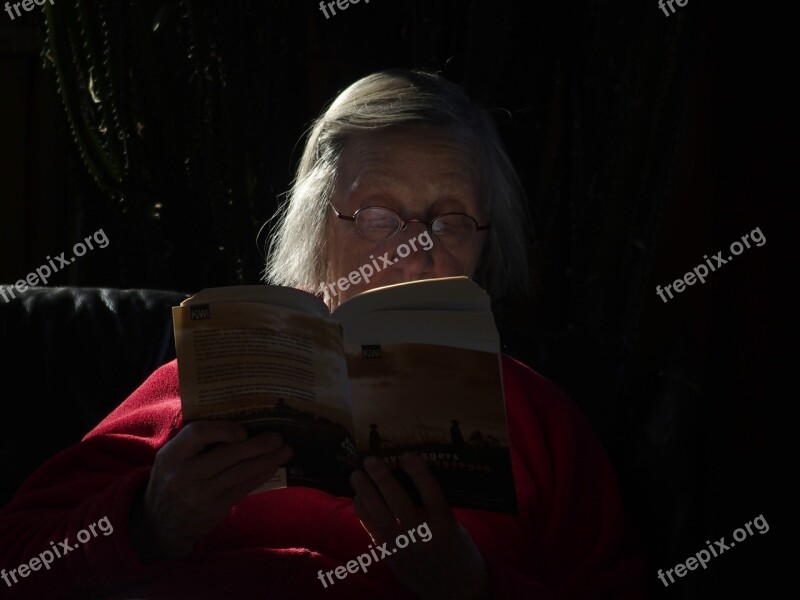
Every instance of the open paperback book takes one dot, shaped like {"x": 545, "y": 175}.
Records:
{"x": 407, "y": 367}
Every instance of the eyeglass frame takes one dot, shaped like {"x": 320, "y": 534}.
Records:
{"x": 404, "y": 222}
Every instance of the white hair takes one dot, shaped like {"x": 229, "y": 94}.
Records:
{"x": 297, "y": 255}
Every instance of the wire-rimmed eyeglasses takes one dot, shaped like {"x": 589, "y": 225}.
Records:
{"x": 377, "y": 223}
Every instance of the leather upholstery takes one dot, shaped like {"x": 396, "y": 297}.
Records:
{"x": 70, "y": 355}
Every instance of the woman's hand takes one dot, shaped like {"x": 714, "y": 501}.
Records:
{"x": 195, "y": 480}
{"x": 448, "y": 565}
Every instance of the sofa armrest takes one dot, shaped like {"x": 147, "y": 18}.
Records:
{"x": 71, "y": 356}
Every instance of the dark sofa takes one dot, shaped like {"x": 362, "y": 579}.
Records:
{"x": 70, "y": 356}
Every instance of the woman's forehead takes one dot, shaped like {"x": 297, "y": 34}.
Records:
{"x": 383, "y": 158}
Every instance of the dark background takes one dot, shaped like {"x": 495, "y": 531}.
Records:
{"x": 644, "y": 142}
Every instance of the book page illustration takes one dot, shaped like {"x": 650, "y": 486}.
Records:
{"x": 444, "y": 403}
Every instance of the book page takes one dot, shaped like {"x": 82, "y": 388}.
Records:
{"x": 423, "y": 359}
{"x": 469, "y": 329}
{"x": 273, "y": 295}
{"x": 444, "y": 403}
{"x": 443, "y": 293}
{"x": 271, "y": 368}
{"x": 236, "y": 359}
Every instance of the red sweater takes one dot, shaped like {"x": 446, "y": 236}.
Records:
{"x": 570, "y": 539}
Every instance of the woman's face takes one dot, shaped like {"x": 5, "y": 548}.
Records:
{"x": 419, "y": 172}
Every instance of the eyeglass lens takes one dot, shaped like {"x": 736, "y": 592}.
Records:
{"x": 376, "y": 223}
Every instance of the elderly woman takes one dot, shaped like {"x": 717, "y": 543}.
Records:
{"x": 396, "y": 154}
